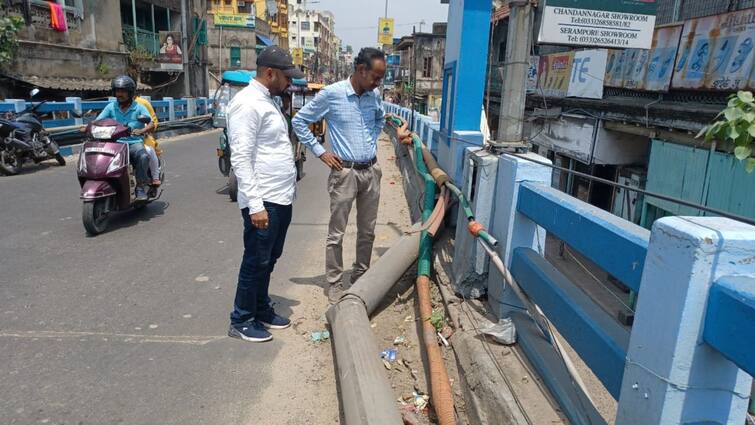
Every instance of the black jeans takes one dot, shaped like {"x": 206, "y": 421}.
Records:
{"x": 262, "y": 248}
{"x": 139, "y": 158}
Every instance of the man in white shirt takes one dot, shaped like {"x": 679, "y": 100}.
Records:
{"x": 263, "y": 160}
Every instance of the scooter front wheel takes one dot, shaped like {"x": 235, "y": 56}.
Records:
{"x": 95, "y": 216}
{"x": 61, "y": 160}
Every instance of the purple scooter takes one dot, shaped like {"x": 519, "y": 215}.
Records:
{"x": 107, "y": 179}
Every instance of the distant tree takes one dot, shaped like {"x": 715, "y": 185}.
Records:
{"x": 9, "y": 27}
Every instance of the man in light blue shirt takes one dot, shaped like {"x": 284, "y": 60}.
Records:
{"x": 355, "y": 117}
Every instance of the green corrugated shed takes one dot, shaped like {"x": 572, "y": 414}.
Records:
{"x": 692, "y": 174}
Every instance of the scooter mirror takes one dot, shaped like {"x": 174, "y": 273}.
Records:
{"x": 34, "y": 92}
{"x": 144, "y": 119}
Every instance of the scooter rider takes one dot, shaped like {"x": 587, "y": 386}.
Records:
{"x": 126, "y": 111}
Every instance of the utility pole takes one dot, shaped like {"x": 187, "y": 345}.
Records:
{"x": 516, "y": 65}
{"x": 413, "y": 77}
{"x": 185, "y": 44}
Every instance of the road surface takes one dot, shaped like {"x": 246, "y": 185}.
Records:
{"x": 129, "y": 327}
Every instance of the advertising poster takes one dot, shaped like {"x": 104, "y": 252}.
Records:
{"x": 298, "y": 55}
{"x": 554, "y": 74}
{"x": 599, "y": 23}
{"x": 532, "y": 74}
{"x": 170, "y": 56}
{"x": 385, "y": 30}
{"x": 716, "y": 52}
{"x": 635, "y": 68}
{"x": 234, "y": 21}
{"x": 615, "y": 68}
{"x": 588, "y": 73}
{"x": 661, "y": 65}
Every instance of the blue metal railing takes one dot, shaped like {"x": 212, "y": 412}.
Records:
{"x": 62, "y": 112}
{"x": 687, "y": 357}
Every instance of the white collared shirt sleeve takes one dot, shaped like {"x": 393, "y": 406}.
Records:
{"x": 243, "y": 131}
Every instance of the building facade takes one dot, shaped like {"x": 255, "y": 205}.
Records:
{"x": 102, "y": 39}
{"x": 640, "y": 129}
{"x": 313, "y": 31}
{"x": 82, "y": 59}
{"x": 419, "y": 78}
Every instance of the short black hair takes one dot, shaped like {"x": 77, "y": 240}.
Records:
{"x": 367, "y": 55}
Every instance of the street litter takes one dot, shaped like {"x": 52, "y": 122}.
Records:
{"x": 420, "y": 401}
{"x": 320, "y": 336}
{"x": 399, "y": 340}
{"x": 389, "y": 354}
{"x": 503, "y": 332}
{"x": 387, "y": 364}
{"x": 443, "y": 339}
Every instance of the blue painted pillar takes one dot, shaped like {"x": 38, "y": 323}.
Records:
{"x": 511, "y": 228}
{"x": 671, "y": 376}
{"x": 463, "y": 79}
{"x": 171, "y": 108}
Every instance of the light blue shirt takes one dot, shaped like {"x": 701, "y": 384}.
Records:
{"x": 128, "y": 118}
{"x": 354, "y": 122}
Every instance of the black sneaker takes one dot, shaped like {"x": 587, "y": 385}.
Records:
{"x": 252, "y": 331}
{"x": 271, "y": 320}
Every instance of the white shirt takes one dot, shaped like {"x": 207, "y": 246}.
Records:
{"x": 261, "y": 151}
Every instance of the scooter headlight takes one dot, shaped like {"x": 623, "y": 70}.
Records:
{"x": 103, "y": 132}
{"x": 115, "y": 164}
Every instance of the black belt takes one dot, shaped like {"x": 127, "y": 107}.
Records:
{"x": 359, "y": 165}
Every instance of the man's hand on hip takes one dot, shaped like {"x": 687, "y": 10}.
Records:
{"x": 260, "y": 219}
{"x": 332, "y": 161}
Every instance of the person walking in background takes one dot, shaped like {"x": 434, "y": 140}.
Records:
{"x": 263, "y": 161}
{"x": 355, "y": 117}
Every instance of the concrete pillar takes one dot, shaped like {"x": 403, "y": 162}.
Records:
{"x": 76, "y": 108}
{"x": 511, "y": 228}
{"x": 191, "y": 107}
{"x": 171, "y": 108}
{"x": 671, "y": 376}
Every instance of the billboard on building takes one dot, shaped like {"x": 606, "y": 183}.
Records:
{"x": 599, "y": 23}
{"x": 532, "y": 74}
{"x": 298, "y": 54}
{"x": 554, "y": 72}
{"x": 385, "y": 30}
{"x": 237, "y": 21}
{"x": 393, "y": 60}
{"x": 587, "y": 74}
{"x": 640, "y": 69}
{"x": 170, "y": 55}
{"x": 716, "y": 52}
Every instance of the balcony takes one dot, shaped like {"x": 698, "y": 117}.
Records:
{"x": 147, "y": 40}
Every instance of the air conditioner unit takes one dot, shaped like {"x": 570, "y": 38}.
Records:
{"x": 241, "y": 3}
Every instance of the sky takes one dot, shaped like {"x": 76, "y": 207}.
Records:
{"x": 357, "y": 20}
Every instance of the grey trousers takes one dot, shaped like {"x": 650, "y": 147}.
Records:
{"x": 344, "y": 187}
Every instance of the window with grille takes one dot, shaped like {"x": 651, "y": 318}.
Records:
{"x": 427, "y": 67}
{"x": 235, "y": 56}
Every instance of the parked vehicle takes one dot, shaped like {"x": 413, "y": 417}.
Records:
{"x": 25, "y": 139}
{"x": 107, "y": 179}
{"x": 232, "y": 83}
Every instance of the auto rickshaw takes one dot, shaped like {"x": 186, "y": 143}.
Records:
{"x": 232, "y": 83}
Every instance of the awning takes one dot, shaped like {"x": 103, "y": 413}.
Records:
{"x": 71, "y": 84}
{"x": 261, "y": 39}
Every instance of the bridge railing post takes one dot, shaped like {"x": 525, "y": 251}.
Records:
{"x": 671, "y": 376}
{"x": 76, "y": 108}
{"x": 509, "y": 226}
{"x": 171, "y": 108}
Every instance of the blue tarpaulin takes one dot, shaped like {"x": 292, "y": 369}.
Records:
{"x": 264, "y": 40}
